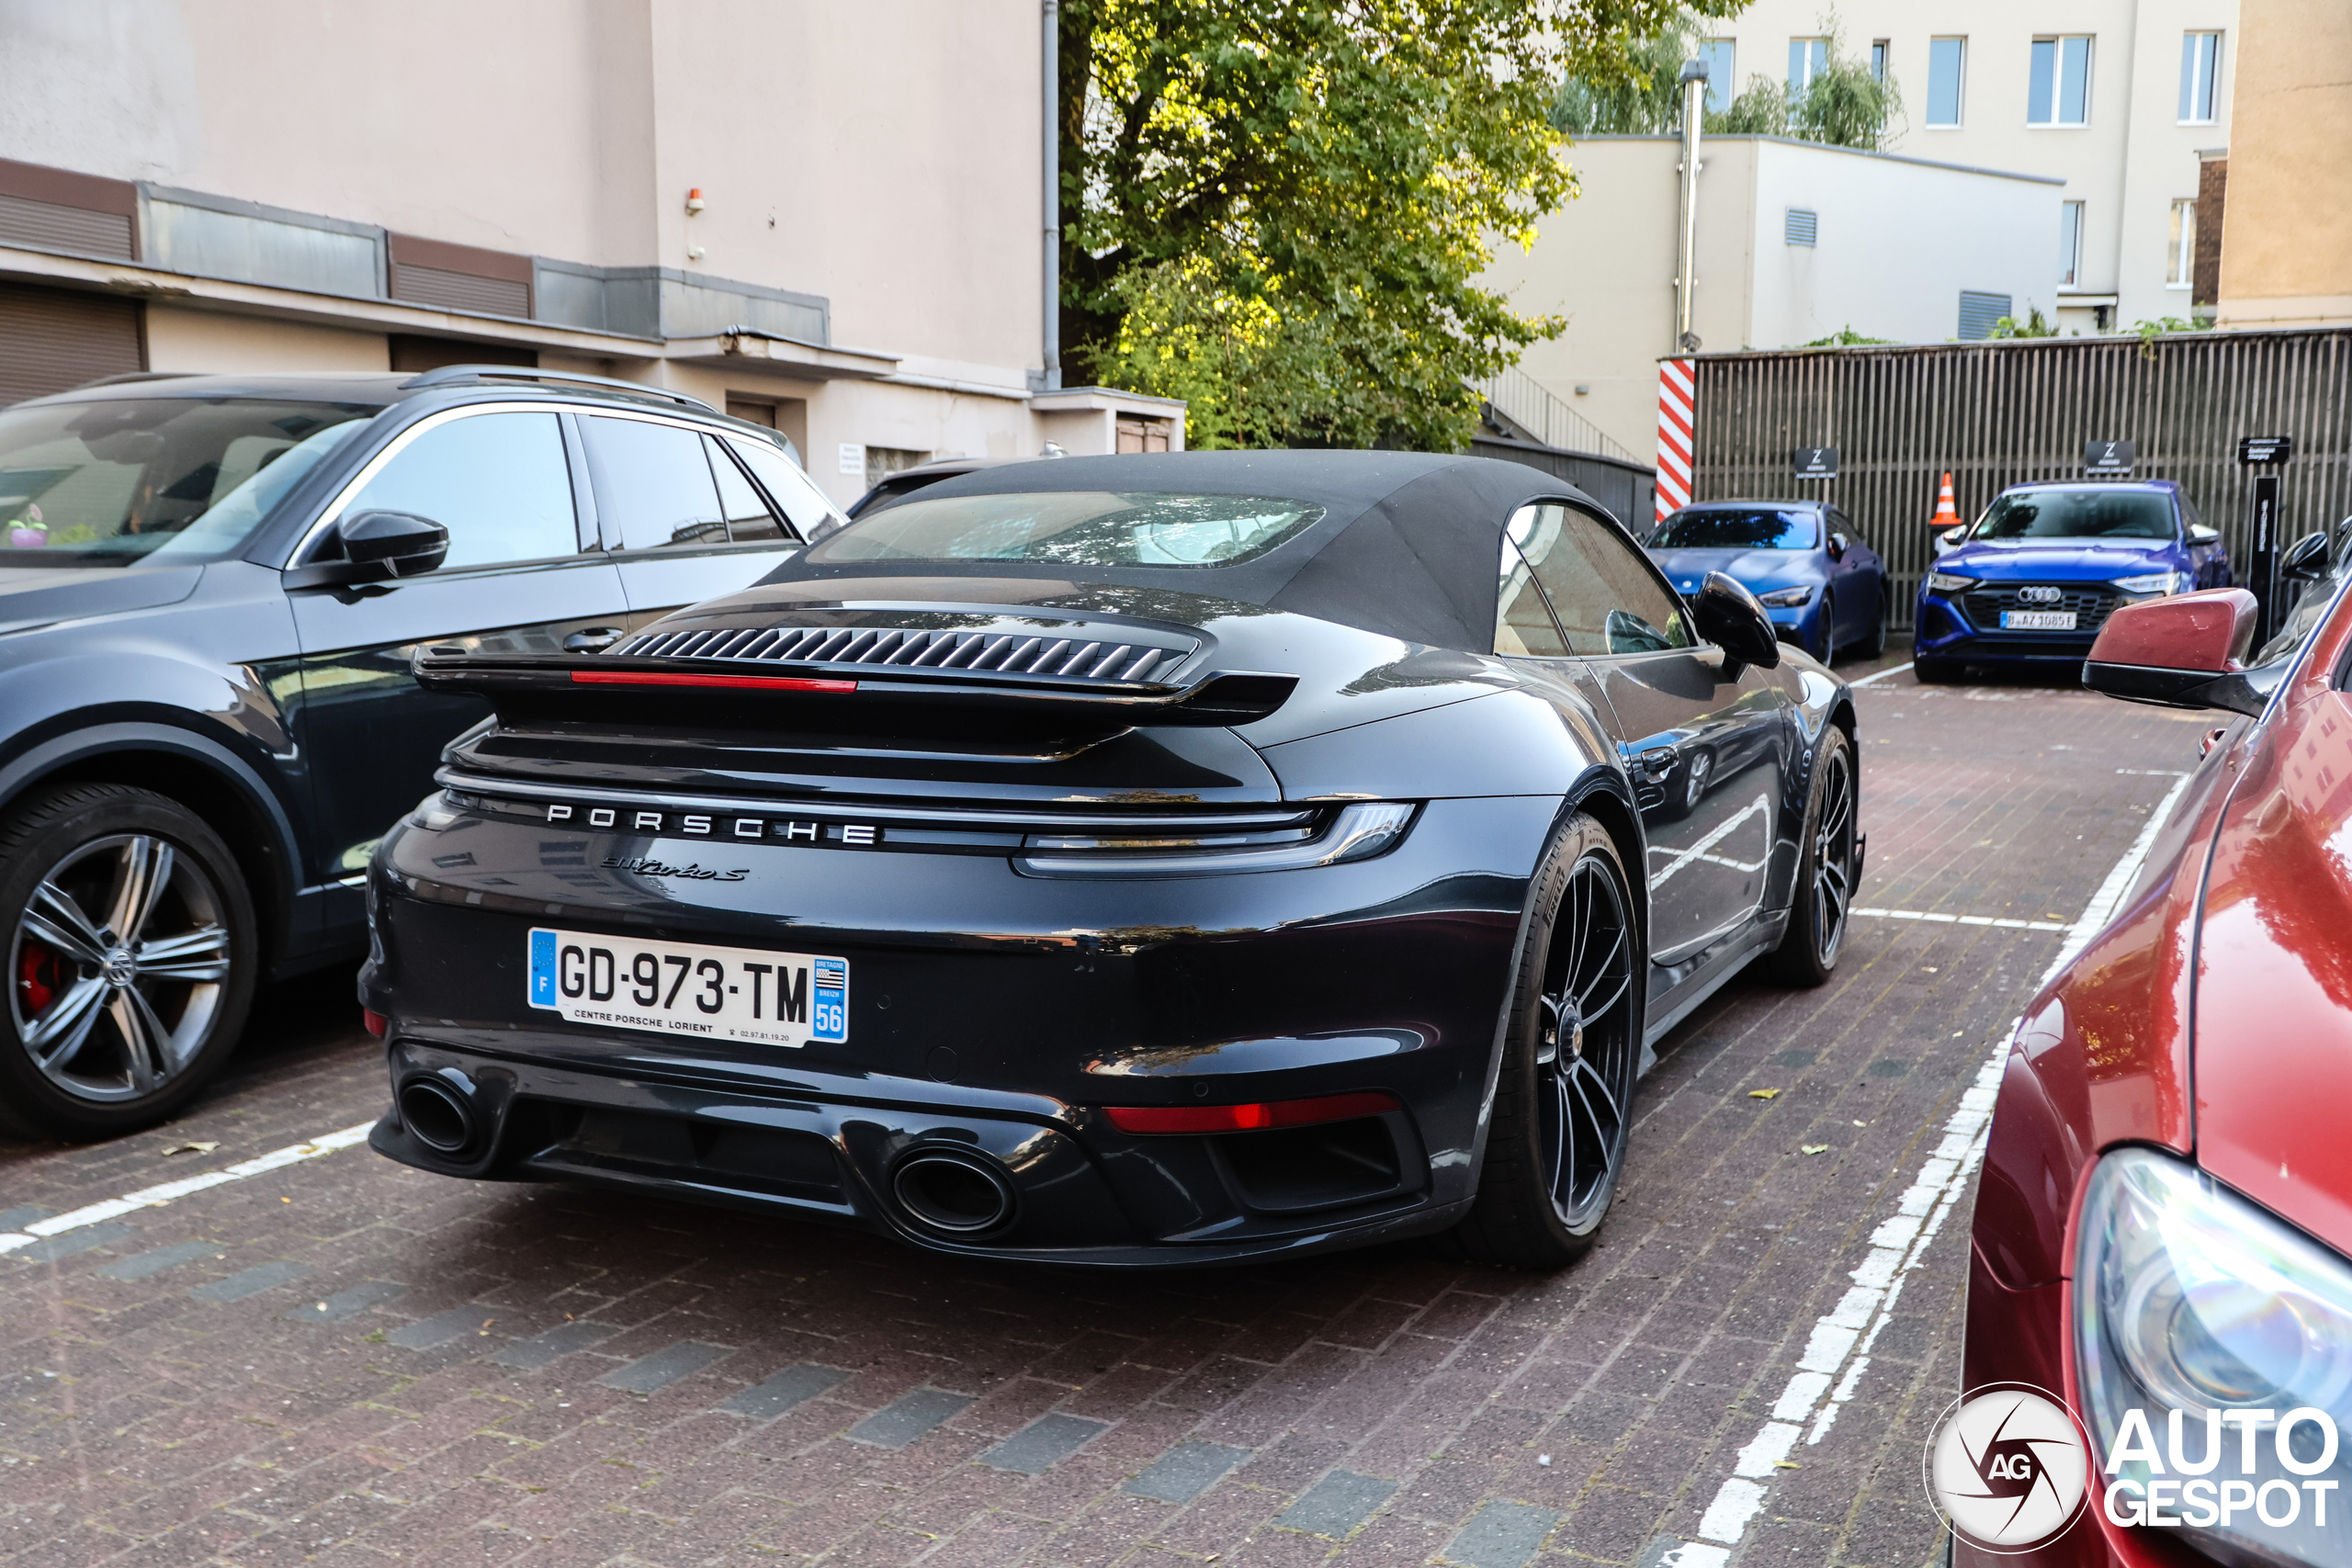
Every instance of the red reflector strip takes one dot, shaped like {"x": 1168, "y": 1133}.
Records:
{"x": 1247, "y": 1118}
{"x": 374, "y": 1022}
{"x": 756, "y": 683}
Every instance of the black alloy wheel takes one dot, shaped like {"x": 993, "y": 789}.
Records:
{"x": 1874, "y": 645}
{"x": 1825, "y": 890}
{"x": 131, "y": 952}
{"x": 1563, "y": 1114}
{"x": 1826, "y": 639}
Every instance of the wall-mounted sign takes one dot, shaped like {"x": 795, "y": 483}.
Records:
{"x": 1817, "y": 462}
{"x": 2255, "y": 450}
{"x": 2107, "y": 457}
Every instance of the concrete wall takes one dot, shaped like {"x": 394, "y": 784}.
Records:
{"x": 1897, "y": 242}
{"x": 2127, "y": 165}
{"x": 2287, "y": 247}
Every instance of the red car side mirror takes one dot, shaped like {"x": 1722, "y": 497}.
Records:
{"x": 2186, "y": 652}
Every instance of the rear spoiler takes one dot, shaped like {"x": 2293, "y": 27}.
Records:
{"x": 592, "y": 686}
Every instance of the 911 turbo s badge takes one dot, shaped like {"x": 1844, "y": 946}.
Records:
{"x": 639, "y": 867}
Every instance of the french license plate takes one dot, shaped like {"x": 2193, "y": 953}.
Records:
{"x": 2037, "y": 620}
{"x": 671, "y": 987}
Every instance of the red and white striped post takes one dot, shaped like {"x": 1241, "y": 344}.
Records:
{"x": 1675, "y": 403}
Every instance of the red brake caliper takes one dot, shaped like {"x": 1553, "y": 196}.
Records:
{"x": 38, "y": 977}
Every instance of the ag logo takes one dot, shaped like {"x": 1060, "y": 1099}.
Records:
{"x": 2008, "y": 1468}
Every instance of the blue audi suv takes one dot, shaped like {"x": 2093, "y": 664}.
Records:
{"x": 1823, "y": 587}
{"x": 2031, "y": 582}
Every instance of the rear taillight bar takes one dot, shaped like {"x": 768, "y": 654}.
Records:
{"x": 755, "y": 683}
{"x": 1250, "y": 1118}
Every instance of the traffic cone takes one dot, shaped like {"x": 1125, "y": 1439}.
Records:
{"x": 1947, "y": 514}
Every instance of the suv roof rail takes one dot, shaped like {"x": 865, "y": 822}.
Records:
{"x": 449, "y": 374}
{"x": 135, "y": 375}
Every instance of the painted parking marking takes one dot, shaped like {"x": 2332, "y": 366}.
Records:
{"x": 35, "y": 1231}
{"x": 788, "y": 1390}
{"x": 900, "y": 1423}
{"x": 1935, "y": 919}
{"x": 1881, "y": 675}
{"x": 1837, "y": 1353}
{"x": 50, "y": 1248}
{"x": 17, "y": 1219}
{"x": 1186, "y": 1471}
{"x": 650, "y": 1374}
{"x": 1043, "y": 1443}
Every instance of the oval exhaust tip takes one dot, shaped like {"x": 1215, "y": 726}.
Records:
{"x": 955, "y": 1194}
{"x": 436, "y": 1116}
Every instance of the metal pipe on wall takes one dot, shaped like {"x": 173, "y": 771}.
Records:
{"x": 1051, "y": 116}
{"x": 1694, "y": 95}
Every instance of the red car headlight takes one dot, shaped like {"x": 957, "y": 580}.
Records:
{"x": 2213, "y": 1351}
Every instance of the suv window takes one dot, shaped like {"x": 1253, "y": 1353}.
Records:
{"x": 1523, "y": 623}
{"x": 747, "y": 514}
{"x": 805, "y": 506}
{"x": 1607, "y": 598}
{"x": 654, "y": 484}
{"x": 499, "y": 482}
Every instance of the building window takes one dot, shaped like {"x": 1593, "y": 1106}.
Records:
{"x": 1979, "y": 313}
{"x": 2060, "y": 92}
{"x": 1946, "y": 59}
{"x": 2200, "y": 61}
{"x": 1878, "y": 58}
{"x": 2180, "y": 246}
{"x": 1808, "y": 58}
{"x": 1721, "y": 81}
{"x": 1802, "y": 226}
{"x": 2070, "y": 244}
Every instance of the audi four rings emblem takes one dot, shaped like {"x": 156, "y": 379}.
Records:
{"x": 2040, "y": 595}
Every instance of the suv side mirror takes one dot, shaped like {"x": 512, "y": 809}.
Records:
{"x": 377, "y": 546}
{"x": 2201, "y": 534}
{"x": 1951, "y": 537}
{"x": 1726, "y": 614}
{"x": 2306, "y": 559}
{"x": 2188, "y": 651}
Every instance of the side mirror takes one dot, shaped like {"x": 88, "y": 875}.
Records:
{"x": 2188, "y": 651}
{"x": 1951, "y": 537}
{"x": 2200, "y": 534}
{"x": 1838, "y": 545}
{"x": 375, "y": 546}
{"x": 2306, "y": 559}
{"x": 1728, "y": 615}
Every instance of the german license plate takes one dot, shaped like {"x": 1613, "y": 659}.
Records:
{"x": 671, "y": 987}
{"x": 2037, "y": 620}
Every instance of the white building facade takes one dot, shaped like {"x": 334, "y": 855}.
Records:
{"x": 2126, "y": 101}
{"x": 827, "y": 218}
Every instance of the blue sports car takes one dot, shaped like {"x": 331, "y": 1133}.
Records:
{"x": 1824, "y": 588}
{"x": 2034, "y": 580}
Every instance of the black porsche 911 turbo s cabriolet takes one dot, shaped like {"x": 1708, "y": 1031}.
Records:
{"x": 1150, "y": 861}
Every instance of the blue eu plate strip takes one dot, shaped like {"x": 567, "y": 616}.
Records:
{"x": 542, "y": 991}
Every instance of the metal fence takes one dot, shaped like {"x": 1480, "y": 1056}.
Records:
{"x": 1536, "y": 409}
{"x": 1626, "y": 488}
{"x": 1999, "y": 413}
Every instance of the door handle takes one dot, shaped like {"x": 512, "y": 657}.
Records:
{"x": 591, "y": 640}
{"x": 1653, "y": 763}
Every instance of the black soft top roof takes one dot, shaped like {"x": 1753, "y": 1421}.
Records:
{"x": 1407, "y": 543}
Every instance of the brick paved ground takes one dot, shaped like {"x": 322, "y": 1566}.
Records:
{"x": 349, "y": 1362}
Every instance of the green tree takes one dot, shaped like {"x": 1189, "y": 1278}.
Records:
{"x": 1280, "y": 209}
{"x": 1844, "y": 104}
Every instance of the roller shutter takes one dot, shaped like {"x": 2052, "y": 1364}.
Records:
{"x": 51, "y": 339}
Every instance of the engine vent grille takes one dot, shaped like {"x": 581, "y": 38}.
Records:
{"x": 1074, "y": 657}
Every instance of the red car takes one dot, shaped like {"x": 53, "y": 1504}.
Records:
{"x": 2163, "y": 1226}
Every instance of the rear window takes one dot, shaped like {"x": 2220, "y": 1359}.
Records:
{"x": 2077, "y": 515}
{"x": 108, "y": 483}
{"x": 1073, "y": 528}
{"x": 1756, "y": 528}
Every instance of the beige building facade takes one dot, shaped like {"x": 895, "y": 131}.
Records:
{"x": 825, "y": 217}
{"x": 2286, "y": 253}
{"x": 2126, "y": 101}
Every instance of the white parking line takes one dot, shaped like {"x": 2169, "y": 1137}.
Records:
{"x": 150, "y": 1197}
{"x": 1882, "y": 674}
{"x": 1965, "y": 919}
{"x": 1841, "y": 1338}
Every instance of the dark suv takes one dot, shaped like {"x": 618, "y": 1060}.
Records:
{"x": 211, "y": 587}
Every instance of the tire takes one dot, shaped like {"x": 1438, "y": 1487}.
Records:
{"x": 99, "y": 1035}
{"x": 1825, "y": 891}
{"x": 1825, "y": 646}
{"x": 1540, "y": 1203}
{"x": 1874, "y": 645}
{"x": 1934, "y": 672}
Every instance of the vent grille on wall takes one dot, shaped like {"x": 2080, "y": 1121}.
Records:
{"x": 1804, "y": 226}
{"x": 1979, "y": 313}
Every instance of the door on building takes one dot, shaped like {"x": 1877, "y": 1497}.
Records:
{"x": 680, "y": 513}
{"x": 522, "y": 576}
{"x": 1702, "y": 747}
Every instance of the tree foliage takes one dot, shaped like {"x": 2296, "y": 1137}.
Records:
{"x": 1844, "y": 104}
{"x": 1280, "y": 209}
